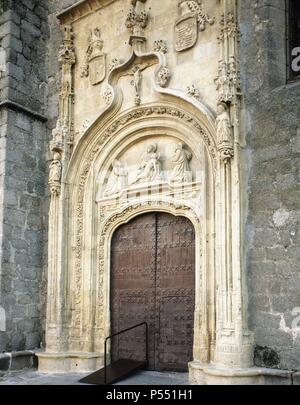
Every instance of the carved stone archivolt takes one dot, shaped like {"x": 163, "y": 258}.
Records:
{"x": 95, "y": 63}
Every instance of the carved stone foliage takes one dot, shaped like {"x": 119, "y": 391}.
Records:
{"x": 160, "y": 46}
{"x": 193, "y": 91}
{"x": 95, "y": 63}
{"x": 107, "y": 95}
{"x": 137, "y": 19}
{"x": 163, "y": 76}
{"x": 55, "y": 175}
{"x": 186, "y": 27}
{"x": 228, "y": 81}
{"x": 224, "y": 133}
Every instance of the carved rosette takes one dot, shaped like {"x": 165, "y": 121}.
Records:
{"x": 160, "y": 46}
{"x": 163, "y": 76}
{"x": 107, "y": 96}
{"x": 193, "y": 91}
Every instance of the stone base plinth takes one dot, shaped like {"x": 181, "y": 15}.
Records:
{"x": 207, "y": 374}
{"x": 69, "y": 362}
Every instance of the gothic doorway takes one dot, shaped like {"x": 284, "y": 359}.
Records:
{"x": 153, "y": 280}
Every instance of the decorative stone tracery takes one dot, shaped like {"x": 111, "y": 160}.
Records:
{"x": 84, "y": 214}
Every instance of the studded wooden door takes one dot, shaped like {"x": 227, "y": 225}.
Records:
{"x": 153, "y": 280}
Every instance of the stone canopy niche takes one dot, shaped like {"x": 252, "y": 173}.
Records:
{"x": 147, "y": 125}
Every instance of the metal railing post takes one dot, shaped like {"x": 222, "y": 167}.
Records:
{"x": 117, "y": 334}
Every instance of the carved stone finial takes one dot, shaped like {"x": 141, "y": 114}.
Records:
{"x": 136, "y": 21}
{"x": 228, "y": 82}
{"x": 67, "y": 50}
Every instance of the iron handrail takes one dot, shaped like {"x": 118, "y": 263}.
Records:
{"x": 119, "y": 333}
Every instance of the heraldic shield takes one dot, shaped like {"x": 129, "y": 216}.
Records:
{"x": 186, "y": 32}
{"x": 97, "y": 68}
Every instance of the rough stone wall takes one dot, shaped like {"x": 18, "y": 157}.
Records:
{"x": 23, "y": 35}
{"x": 273, "y": 158}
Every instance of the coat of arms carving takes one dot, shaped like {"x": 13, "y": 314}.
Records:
{"x": 95, "y": 65}
{"x": 186, "y": 32}
{"x": 186, "y": 27}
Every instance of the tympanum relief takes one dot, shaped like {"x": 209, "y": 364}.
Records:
{"x": 157, "y": 167}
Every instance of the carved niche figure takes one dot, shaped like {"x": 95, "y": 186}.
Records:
{"x": 149, "y": 169}
{"x": 117, "y": 180}
{"x": 186, "y": 27}
{"x": 55, "y": 174}
{"x": 224, "y": 132}
{"x": 181, "y": 172}
{"x": 95, "y": 65}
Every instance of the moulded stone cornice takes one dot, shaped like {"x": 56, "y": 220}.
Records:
{"x": 82, "y": 9}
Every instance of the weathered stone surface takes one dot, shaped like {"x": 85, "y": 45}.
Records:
{"x": 272, "y": 135}
{"x": 30, "y": 75}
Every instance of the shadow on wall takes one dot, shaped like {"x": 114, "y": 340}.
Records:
{"x": 266, "y": 357}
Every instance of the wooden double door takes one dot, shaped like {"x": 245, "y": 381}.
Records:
{"x": 153, "y": 280}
